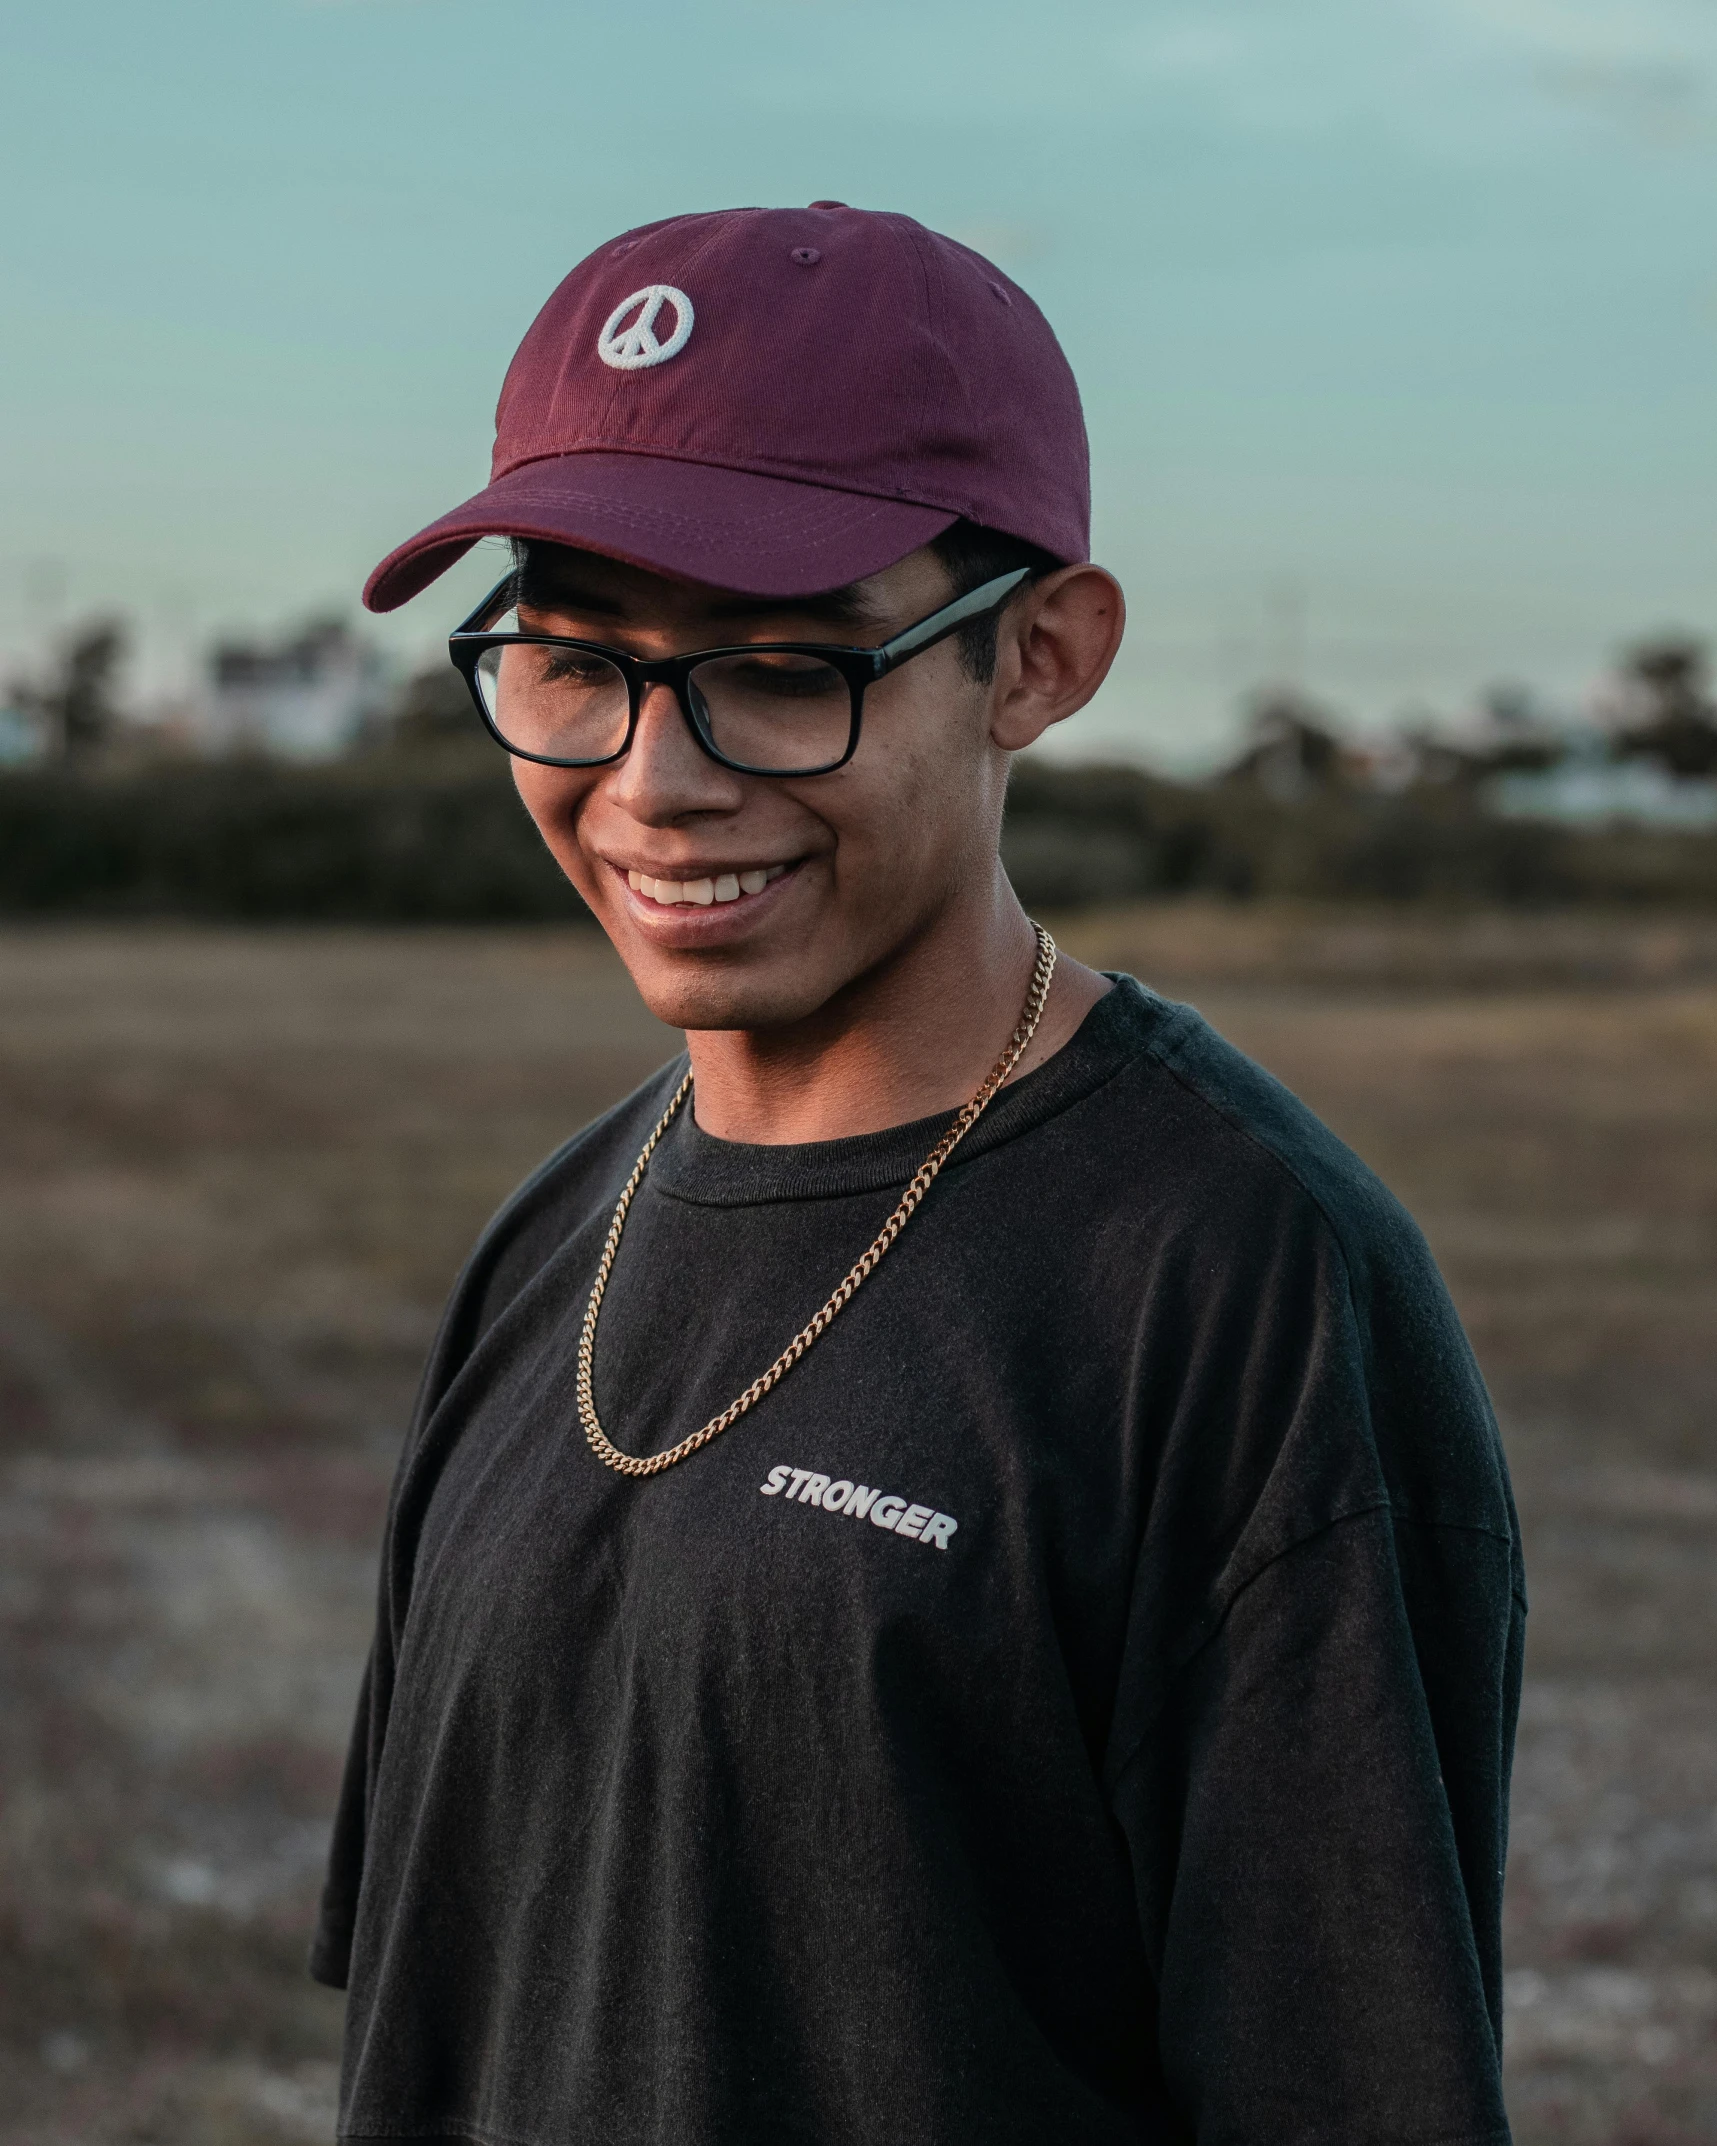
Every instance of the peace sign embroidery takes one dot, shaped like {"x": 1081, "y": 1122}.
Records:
{"x": 632, "y": 347}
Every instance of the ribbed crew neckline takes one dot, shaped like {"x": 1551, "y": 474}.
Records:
{"x": 694, "y": 1166}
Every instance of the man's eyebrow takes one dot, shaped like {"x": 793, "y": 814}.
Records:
{"x": 545, "y": 592}
{"x": 834, "y": 607}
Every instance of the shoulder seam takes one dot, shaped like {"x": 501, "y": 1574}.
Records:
{"x": 1113, "y": 1774}
{"x": 486, "y": 1255}
{"x": 1332, "y": 1229}
{"x": 551, "y": 1162}
{"x": 1182, "y": 1662}
{"x": 1238, "y": 1125}
{"x": 1448, "y": 1527}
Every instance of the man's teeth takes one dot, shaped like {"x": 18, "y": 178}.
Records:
{"x": 728, "y": 888}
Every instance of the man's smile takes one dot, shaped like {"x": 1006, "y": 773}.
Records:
{"x": 703, "y": 889}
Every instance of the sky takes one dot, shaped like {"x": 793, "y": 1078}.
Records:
{"x": 1396, "y": 320}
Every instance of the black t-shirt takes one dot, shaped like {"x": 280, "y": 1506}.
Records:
{"x": 1075, "y": 1705}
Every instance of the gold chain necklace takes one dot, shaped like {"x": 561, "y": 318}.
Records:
{"x": 625, "y": 1463}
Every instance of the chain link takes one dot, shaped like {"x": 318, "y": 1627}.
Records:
{"x": 626, "y": 1463}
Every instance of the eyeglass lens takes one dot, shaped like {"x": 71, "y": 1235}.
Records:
{"x": 769, "y": 711}
{"x": 556, "y": 703}
{"x": 773, "y": 711}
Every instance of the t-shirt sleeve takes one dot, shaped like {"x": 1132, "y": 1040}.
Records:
{"x": 331, "y": 1947}
{"x": 508, "y": 1253}
{"x": 467, "y": 1310}
{"x": 1310, "y": 1768}
{"x": 572, "y": 1189}
{"x": 1316, "y": 1947}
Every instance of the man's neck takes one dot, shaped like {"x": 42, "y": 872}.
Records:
{"x": 916, "y": 1036}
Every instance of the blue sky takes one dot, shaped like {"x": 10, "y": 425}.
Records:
{"x": 1396, "y": 319}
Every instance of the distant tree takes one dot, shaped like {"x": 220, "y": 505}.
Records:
{"x": 1439, "y": 762}
{"x": 1510, "y": 708}
{"x": 1293, "y": 751}
{"x": 433, "y": 704}
{"x": 1667, "y": 695}
{"x": 302, "y": 657}
{"x": 1520, "y": 736}
{"x": 75, "y": 710}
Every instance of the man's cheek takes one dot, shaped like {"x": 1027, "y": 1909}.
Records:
{"x": 555, "y": 802}
{"x": 535, "y": 789}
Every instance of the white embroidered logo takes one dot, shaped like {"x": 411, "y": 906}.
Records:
{"x": 803, "y": 1486}
{"x": 634, "y": 346}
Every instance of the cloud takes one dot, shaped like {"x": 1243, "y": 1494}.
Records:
{"x": 1657, "y": 101}
{"x": 1647, "y": 66}
{"x": 1621, "y": 32}
{"x": 1454, "y": 81}
{"x": 1447, "y": 75}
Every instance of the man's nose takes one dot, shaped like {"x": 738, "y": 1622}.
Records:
{"x": 666, "y": 774}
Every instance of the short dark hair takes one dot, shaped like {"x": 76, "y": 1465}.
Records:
{"x": 972, "y": 555}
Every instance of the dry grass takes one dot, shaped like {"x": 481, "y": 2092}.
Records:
{"x": 237, "y": 1171}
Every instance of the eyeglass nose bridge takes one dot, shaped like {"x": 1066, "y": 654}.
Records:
{"x": 671, "y": 675}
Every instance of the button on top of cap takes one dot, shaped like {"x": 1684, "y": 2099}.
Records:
{"x": 828, "y": 204}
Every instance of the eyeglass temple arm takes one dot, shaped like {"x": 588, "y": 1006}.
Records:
{"x": 937, "y": 627}
{"x": 480, "y": 617}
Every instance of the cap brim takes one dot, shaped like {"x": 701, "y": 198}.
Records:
{"x": 761, "y": 536}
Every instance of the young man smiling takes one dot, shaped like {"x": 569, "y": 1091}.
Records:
{"x": 953, "y": 1577}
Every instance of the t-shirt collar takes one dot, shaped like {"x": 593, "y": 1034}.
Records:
{"x": 693, "y": 1165}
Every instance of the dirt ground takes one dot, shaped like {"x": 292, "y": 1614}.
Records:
{"x": 237, "y": 1172}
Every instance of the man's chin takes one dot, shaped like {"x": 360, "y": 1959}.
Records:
{"x": 690, "y": 993}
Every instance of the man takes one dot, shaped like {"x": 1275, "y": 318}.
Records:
{"x": 953, "y": 1578}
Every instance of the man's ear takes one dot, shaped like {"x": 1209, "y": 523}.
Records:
{"x": 1053, "y": 650}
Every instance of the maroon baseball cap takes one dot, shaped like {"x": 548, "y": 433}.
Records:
{"x": 777, "y": 401}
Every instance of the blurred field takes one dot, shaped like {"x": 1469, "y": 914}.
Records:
{"x": 237, "y": 1173}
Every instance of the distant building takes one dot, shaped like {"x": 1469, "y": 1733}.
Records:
{"x": 21, "y": 739}
{"x": 1587, "y": 788}
{"x": 309, "y": 697}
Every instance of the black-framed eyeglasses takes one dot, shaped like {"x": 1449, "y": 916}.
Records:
{"x": 762, "y": 708}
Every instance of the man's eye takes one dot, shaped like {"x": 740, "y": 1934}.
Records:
{"x": 571, "y": 666}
